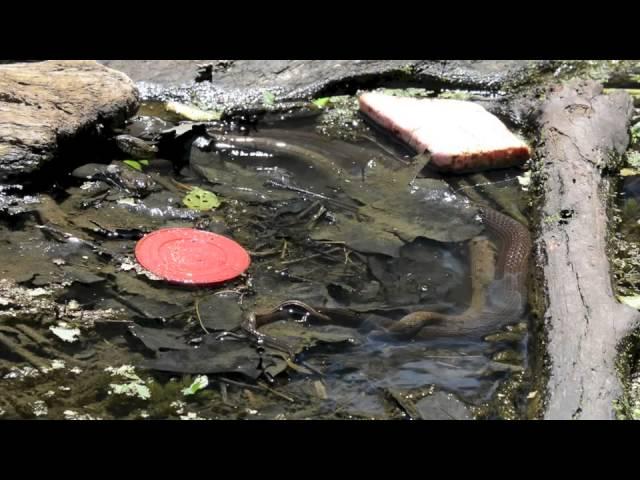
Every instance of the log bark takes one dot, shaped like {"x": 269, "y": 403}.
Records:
{"x": 582, "y": 130}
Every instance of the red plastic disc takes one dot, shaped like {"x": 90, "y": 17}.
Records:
{"x": 190, "y": 256}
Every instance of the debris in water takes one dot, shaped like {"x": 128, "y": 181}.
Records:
{"x": 39, "y": 408}
{"x": 198, "y": 384}
{"x": 633, "y": 301}
{"x": 65, "y": 333}
{"x": 135, "y": 388}
{"x": 525, "y": 181}
{"x": 73, "y": 415}
{"x": 192, "y": 113}
{"x": 201, "y": 199}
{"x": 57, "y": 365}
{"x": 190, "y": 256}
{"x": 459, "y": 135}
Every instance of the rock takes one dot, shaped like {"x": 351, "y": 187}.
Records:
{"x": 135, "y": 147}
{"x": 244, "y": 82}
{"x": 443, "y": 406}
{"x": 44, "y": 104}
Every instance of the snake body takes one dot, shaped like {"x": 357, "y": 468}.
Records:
{"x": 499, "y": 267}
{"x": 499, "y": 291}
{"x": 498, "y": 276}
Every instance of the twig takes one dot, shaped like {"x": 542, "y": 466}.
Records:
{"x": 198, "y": 315}
{"x": 315, "y": 255}
{"x": 313, "y": 194}
{"x": 257, "y": 387}
{"x": 223, "y": 393}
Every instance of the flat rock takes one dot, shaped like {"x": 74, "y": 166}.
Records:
{"x": 443, "y": 406}
{"x": 243, "y": 82}
{"x": 43, "y": 104}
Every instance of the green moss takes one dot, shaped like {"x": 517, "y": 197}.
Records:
{"x": 455, "y": 95}
{"x": 627, "y": 407}
{"x": 509, "y": 402}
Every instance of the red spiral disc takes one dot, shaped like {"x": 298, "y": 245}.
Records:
{"x": 190, "y": 256}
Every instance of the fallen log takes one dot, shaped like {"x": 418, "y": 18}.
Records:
{"x": 582, "y": 132}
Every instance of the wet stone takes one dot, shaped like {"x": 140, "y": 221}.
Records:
{"x": 135, "y": 148}
{"x": 146, "y": 127}
{"x": 443, "y": 406}
{"x": 81, "y": 275}
{"x": 44, "y": 103}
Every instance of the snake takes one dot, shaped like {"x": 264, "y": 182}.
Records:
{"x": 499, "y": 270}
{"x": 498, "y": 284}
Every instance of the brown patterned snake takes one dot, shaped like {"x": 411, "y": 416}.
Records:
{"x": 499, "y": 269}
{"x": 499, "y": 290}
{"x": 499, "y": 266}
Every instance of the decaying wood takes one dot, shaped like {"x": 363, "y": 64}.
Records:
{"x": 582, "y": 130}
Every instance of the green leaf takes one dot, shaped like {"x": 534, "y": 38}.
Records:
{"x": 268, "y": 98}
{"x": 635, "y": 133}
{"x": 633, "y": 301}
{"x": 133, "y": 164}
{"x": 321, "y": 102}
{"x": 143, "y": 162}
{"x": 633, "y": 159}
{"x": 455, "y": 95}
{"x": 200, "y": 199}
{"x": 198, "y": 384}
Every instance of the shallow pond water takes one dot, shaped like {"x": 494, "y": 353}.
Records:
{"x": 329, "y": 222}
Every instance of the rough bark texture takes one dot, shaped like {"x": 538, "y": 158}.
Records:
{"x": 44, "y": 103}
{"x": 580, "y": 129}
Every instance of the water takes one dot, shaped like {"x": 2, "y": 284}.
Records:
{"x": 328, "y": 222}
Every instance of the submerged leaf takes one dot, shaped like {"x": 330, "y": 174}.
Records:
{"x": 268, "y": 98}
{"x": 134, "y": 164}
{"x": 301, "y": 336}
{"x": 67, "y": 334}
{"x": 633, "y": 159}
{"x": 212, "y": 356}
{"x": 220, "y": 313}
{"x": 202, "y": 200}
{"x": 321, "y": 102}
